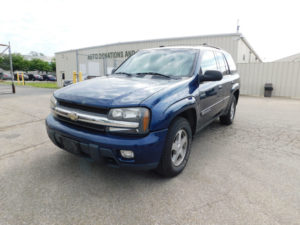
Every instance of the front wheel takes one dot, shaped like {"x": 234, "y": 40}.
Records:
{"x": 228, "y": 118}
{"x": 177, "y": 148}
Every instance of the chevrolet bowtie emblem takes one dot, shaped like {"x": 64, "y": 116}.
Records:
{"x": 73, "y": 116}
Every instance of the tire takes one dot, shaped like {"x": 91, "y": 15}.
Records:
{"x": 176, "y": 148}
{"x": 228, "y": 118}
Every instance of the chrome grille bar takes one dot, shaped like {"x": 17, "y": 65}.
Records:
{"x": 88, "y": 117}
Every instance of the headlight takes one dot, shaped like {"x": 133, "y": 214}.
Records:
{"x": 53, "y": 102}
{"x": 139, "y": 114}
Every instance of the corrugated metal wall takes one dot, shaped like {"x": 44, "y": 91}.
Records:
{"x": 66, "y": 61}
{"x": 285, "y": 77}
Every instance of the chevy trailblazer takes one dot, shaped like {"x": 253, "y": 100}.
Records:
{"x": 146, "y": 112}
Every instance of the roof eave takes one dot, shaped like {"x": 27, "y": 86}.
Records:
{"x": 154, "y": 40}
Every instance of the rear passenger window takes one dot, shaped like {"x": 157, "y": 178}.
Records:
{"x": 223, "y": 68}
{"x": 208, "y": 61}
{"x": 231, "y": 64}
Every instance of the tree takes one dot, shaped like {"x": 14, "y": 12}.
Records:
{"x": 46, "y": 67}
{"x": 19, "y": 63}
{"x": 26, "y": 65}
{"x": 17, "y": 60}
{"x": 4, "y": 62}
{"x": 53, "y": 65}
{"x": 36, "y": 64}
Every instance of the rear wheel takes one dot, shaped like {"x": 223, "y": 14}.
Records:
{"x": 177, "y": 148}
{"x": 228, "y": 118}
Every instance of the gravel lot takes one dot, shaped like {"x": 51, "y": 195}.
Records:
{"x": 247, "y": 173}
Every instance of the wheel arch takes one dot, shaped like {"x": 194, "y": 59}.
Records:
{"x": 191, "y": 116}
{"x": 185, "y": 109}
{"x": 236, "y": 94}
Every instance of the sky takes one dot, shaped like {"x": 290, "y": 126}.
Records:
{"x": 271, "y": 27}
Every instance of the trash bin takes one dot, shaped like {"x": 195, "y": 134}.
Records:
{"x": 268, "y": 89}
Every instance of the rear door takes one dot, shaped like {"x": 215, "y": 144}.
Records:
{"x": 225, "y": 84}
{"x": 208, "y": 90}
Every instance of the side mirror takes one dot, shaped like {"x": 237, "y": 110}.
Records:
{"x": 113, "y": 70}
{"x": 211, "y": 75}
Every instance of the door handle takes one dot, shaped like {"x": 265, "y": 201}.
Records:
{"x": 220, "y": 86}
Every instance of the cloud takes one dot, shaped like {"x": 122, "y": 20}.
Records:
{"x": 56, "y": 25}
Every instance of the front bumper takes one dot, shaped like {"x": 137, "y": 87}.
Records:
{"x": 105, "y": 147}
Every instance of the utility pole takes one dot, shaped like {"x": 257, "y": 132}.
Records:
{"x": 11, "y": 70}
{"x": 238, "y": 26}
{"x": 11, "y": 66}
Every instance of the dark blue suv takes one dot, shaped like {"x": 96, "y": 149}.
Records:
{"x": 145, "y": 114}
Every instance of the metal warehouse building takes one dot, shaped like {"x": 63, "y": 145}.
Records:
{"x": 100, "y": 60}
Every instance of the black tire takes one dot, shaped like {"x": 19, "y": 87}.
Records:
{"x": 228, "y": 118}
{"x": 166, "y": 166}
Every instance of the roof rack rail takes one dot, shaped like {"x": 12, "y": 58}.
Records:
{"x": 207, "y": 45}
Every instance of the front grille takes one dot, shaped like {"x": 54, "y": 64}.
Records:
{"x": 89, "y": 126}
{"x": 83, "y": 107}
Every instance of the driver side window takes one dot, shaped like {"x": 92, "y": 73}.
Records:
{"x": 208, "y": 61}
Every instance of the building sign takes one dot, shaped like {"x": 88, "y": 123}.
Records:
{"x": 111, "y": 55}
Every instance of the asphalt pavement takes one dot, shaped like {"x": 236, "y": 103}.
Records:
{"x": 246, "y": 173}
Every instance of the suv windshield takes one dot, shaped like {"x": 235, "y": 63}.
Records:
{"x": 169, "y": 62}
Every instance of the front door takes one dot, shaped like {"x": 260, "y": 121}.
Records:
{"x": 209, "y": 91}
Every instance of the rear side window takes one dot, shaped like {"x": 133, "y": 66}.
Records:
{"x": 231, "y": 64}
{"x": 208, "y": 61}
{"x": 223, "y": 68}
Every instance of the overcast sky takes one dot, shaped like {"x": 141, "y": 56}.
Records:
{"x": 271, "y": 27}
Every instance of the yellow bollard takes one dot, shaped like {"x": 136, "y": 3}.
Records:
{"x": 18, "y": 78}
{"x": 74, "y": 77}
{"x": 23, "y": 79}
{"x": 80, "y": 76}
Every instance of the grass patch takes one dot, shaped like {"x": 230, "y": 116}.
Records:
{"x": 44, "y": 84}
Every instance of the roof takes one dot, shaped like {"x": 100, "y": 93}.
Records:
{"x": 172, "y": 39}
{"x": 291, "y": 58}
{"x": 155, "y": 40}
{"x": 250, "y": 47}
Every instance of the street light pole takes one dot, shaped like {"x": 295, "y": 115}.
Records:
{"x": 11, "y": 70}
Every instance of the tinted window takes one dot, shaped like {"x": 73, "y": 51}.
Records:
{"x": 223, "y": 68}
{"x": 231, "y": 64}
{"x": 172, "y": 62}
{"x": 208, "y": 61}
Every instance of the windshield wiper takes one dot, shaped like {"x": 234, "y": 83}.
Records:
{"x": 129, "y": 74}
{"x": 154, "y": 73}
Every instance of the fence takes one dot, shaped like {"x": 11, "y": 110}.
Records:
{"x": 285, "y": 77}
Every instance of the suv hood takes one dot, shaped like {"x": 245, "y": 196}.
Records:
{"x": 113, "y": 91}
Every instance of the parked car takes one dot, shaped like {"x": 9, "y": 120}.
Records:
{"x": 48, "y": 77}
{"x": 26, "y": 77}
{"x": 5, "y": 76}
{"x": 145, "y": 114}
{"x": 35, "y": 77}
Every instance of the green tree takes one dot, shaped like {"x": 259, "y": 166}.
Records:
{"x": 18, "y": 61}
{"x": 46, "y": 67}
{"x": 4, "y": 62}
{"x": 36, "y": 64}
{"x": 53, "y": 65}
{"x": 26, "y": 65}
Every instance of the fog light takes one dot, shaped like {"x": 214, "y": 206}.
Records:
{"x": 127, "y": 154}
